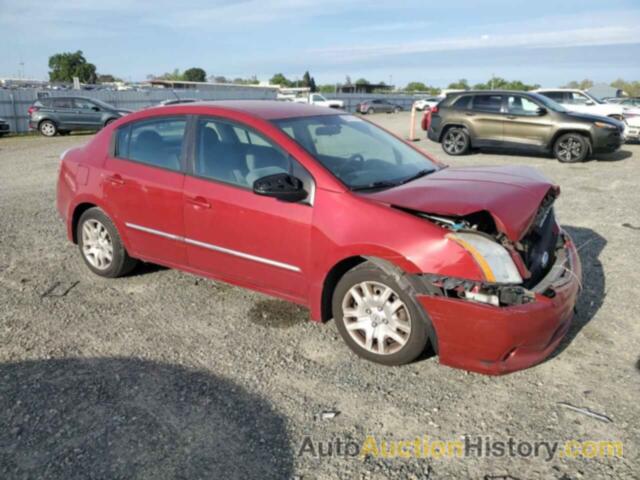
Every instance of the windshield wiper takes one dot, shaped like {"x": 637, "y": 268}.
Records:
{"x": 375, "y": 185}
{"x": 420, "y": 174}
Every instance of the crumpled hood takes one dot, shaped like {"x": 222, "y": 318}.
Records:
{"x": 512, "y": 195}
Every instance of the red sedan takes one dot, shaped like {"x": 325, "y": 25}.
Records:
{"x": 329, "y": 211}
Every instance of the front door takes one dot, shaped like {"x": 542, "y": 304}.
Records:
{"x": 88, "y": 113}
{"x": 142, "y": 182}
{"x": 232, "y": 233}
{"x": 525, "y": 124}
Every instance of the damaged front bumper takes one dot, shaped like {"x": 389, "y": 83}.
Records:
{"x": 521, "y": 330}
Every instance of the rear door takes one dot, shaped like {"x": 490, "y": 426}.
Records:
{"x": 142, "y": 183}
{"x": 524, "y": 125}
{"x": 64, "y": 112}
{"x": 487, "y": 119}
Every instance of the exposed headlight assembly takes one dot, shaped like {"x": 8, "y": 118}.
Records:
{"x": 492, "y": 258}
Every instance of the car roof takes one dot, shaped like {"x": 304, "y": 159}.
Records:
{"x": 558, "y": 90}
{"x": 265, "y": 109}
{"x": 488, "y": 92}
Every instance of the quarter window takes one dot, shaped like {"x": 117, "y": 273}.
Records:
{"x": 487, "y": 103}
{"x": 463, "y": 103}
{"x": 153, "y": 142}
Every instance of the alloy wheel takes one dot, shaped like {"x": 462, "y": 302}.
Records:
{"x": 455, "y": 142}
{"x": 376, "y": 318}
{"x": 570, "y": 149}
{"x": 97, "y": 246}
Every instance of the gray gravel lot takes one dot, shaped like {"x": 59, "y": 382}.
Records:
{"x": 165, "y": 375}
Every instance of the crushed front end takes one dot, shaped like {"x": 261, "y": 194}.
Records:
{"x": 497, "y": 327}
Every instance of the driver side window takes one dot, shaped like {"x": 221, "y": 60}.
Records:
{"x": 232, "y": 153}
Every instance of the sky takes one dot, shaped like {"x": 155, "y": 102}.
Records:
{"x": 548, "y": 42}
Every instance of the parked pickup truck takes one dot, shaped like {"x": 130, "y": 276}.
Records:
{"x": 317, "y": 99}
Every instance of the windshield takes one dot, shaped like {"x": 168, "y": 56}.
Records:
{"x": 550, "y": 104}
{"x": 360, "y": 154}
{"x": 102, "y": 104}
{"x": 592, "y": 98}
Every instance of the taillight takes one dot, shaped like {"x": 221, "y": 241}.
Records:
{"x": 32, "y": 109}
{"x": 434, "y": 109}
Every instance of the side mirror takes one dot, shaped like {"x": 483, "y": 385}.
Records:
{"x": 541, "y": 111}
{"x": 282, "y": 186}
{"x": 95, "y": 109}
{"x": 590, "y": 103}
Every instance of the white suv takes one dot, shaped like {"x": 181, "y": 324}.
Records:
{"x": 581, "y": 101}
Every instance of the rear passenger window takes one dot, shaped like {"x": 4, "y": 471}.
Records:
{"x": 62, "y": 103}
{"x": 487, "y": 103}
{"x": 233, "y": 154}
{"x": 154, "y": 142}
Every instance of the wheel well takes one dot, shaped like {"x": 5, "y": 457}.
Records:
{"x": 47, "y": 120}
{"x": 77, "y": 213}
{"x": 331, "y": 280}
{"x": 563, "y": 132}
{"x": 446, "y": 128}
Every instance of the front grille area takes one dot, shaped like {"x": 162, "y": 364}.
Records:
{"x": 539, "y": 246}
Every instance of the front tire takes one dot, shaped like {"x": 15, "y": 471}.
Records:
{"x": 48, "y": 128}
{"x": 377, "y": 318}
{"x": 571, "y": 148}
{"x": 397, "y": 110}
{"x": 371, "y": 111}
{"x": 456, "y": 141}
{"x": 100, "y": 245}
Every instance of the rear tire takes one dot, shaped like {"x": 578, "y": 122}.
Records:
{"x": 48, "y": 128}
{"x": 571, "y": 148}
{"x": 397, "y": 110}
{"x": 456, "y": 141}
{"x": 100, "y": 245}
{"x": 387, "y": 325}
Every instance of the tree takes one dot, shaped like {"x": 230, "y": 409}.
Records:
{"x": 416, "y": 87}
{"x": 195, "y": 74}
{"x": 176, "y": 75}
{"x": 309, "y": 82}
{"x": 65, "y": 66}
{"x": 461, "y": 84}
{"x": 107, "y": 78}
{"x": 362, "y": 81}
{"x": 630, "y": 88}
{"x": 585, "y": 84}
{"x": 280, "y": 79}
{"x": 328, "y": 88}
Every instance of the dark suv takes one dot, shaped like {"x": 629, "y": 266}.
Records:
{"x": 519, "y": 120}
{"x": 63, "y": 114}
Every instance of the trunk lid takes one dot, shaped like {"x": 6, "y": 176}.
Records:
{"x": 511, "y": 194}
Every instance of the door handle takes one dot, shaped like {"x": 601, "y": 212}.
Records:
{"x": 511, "y": 117}
{"x": 469, "y": 114}
{"x": 198, "y": 202}
{"x": 115, "y": 179}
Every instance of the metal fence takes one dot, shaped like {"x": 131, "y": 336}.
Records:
{"x": 352, "y": 99}
{"x": 15, "y": 103}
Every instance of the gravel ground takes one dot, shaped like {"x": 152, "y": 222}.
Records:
{"x": 166, "y": 375}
